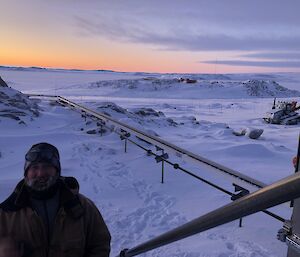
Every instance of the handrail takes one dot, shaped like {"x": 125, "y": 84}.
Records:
{"x": 277, "y": 193}
{"x": 41, "y": 95}
{"x": 236, "y": 177}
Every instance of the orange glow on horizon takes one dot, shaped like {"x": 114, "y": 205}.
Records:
{"x": 114, "y": 57}
{"x": 198, "y": 68}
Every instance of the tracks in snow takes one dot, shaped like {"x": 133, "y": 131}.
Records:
{"x": 108, "y": 181}
{"x": 101, "y": 171}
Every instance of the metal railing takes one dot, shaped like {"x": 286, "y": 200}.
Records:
{"x": 231, "y": 175}
{"x": 277, "y": 193}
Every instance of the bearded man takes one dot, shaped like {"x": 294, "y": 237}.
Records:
{"x": 48, "y": 216}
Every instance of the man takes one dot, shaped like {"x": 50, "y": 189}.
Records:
{"x": 47, "y": 214}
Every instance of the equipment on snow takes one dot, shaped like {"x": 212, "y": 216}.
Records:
{"x": 283, "y": 112}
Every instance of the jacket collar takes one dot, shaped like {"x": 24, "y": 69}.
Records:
{"x": 70, "y": 201}
{"x": 17, "y": 200}
{"x": 20, "y": 198}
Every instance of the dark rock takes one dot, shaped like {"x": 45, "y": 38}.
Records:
{"x": 113, "y": 107}
{"x": 148, "y": 112}
{"x": 3, "y": 83}
{"x": 172, "y": 122}
{"x": 255, "y": 133}
{"x": 9, "y": 115}
{"x": 191, "y": 81}
{"x": 92, "y": 131}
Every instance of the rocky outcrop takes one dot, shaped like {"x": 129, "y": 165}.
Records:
{"x": 3, "y": 83}
{"x": 147, "y": 112}
{"x": 262, "y": 88}
{"x": 16, "y": 106}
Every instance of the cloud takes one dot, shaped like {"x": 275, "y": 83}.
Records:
{"x": 268, "y": 31}
{"x": 274, "y": 55}
{"x": 181, "y": 38}
{"x": 271, "y": 64}
{"x": 232, "y": 14}
{"x": 271, "y": 59}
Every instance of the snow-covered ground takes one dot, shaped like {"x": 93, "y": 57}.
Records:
{"x": 126, "y": 187}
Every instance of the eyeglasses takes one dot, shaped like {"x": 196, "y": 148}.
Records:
{"x": 41, "y": 155}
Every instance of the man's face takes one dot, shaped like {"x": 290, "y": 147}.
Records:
{"x": 41, "y": 176}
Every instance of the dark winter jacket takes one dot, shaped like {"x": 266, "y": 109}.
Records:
{"x": 79, "y": 229}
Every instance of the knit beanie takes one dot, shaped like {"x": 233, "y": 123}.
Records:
{"x": 42, "y": 152}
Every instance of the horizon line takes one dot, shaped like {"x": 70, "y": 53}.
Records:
{"x": 116, "y": 71}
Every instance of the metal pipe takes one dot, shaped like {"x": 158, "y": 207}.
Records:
{"x": 277, "y": 193}
{"x": 176, "y": 166}
{"x": 162, "y": 166}
{"x": 292, "y": 239}
{"x": 162, "y": 171}
{"x": 235, "y": 176}
{"x": 297, "y": 167}
{"x": 240, "y": 222}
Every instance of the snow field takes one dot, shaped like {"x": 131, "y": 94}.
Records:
{"x": 126, "y": 186}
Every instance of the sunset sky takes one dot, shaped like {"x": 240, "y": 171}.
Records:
{"x": 201, "y": 36}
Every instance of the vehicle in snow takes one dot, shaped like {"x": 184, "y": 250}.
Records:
{"x": 283, "y": 112}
